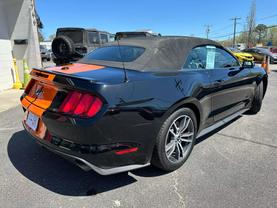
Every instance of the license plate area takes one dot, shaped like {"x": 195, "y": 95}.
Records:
{"x": 32, "y": 121}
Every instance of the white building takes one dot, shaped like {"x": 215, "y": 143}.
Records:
{"x": 18, "y": 38}
{"x": 46, "y": 44}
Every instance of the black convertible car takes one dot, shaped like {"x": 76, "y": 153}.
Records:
{"x": 139, "y": 101}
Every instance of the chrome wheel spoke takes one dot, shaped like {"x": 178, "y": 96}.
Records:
{"x": 172, "y": 132}
{"x": 183, "y": 124}
{"x": 186, "y": 140}
{"x": 176, "y": 127}
{"x": 187, "y": 121}
{"x": 182, "y": 149}
{"x": 185, "y": 137}
{"x": 179, "y": 138}
{"x": 172, "y": 150}
{"x": 170, "y": 145}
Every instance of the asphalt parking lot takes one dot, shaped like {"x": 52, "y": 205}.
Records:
{"x": 236, "y": 166}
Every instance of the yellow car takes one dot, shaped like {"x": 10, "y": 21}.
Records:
{"x": 241, "y": 56}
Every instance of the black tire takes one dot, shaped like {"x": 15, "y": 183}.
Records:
{"x": 257, "y": 100}
{"x": 160, "y": 158}
{"x": 48, "y": 59}
{"x": 63, "y": 47}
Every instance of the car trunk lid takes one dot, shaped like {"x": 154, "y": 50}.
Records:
{"x": 49, "y": 86}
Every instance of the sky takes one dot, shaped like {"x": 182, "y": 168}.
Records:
{"x": 168, "y": 17}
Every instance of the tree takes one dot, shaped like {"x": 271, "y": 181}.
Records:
{"x": 272, "y": 35}
{"x": 40, "y": 35}
{"x": 40, "y": 27}
{"x": 261, "y": 32}
{"x": 251, "y": 23}
{"x": 51, "y": 37}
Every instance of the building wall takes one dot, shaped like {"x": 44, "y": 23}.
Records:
{"x": 26, "y": 28}
{"x": 17, "y": 22}
{"x": 6, "y": 78}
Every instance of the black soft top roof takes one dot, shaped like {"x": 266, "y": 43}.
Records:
{"x": 161, "y": 53}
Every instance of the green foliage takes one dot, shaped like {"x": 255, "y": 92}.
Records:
{"x": 262, "y": 35}
{"x": 51, "y": 37}
{"x": 260, "y": 30}
{"x": 40, "y": 36}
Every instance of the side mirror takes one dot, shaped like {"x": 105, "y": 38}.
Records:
{"x": 248, "y": 64}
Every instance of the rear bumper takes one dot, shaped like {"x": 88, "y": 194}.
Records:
{"x": 83, "y": 160}
{"x": 86, "y": 165}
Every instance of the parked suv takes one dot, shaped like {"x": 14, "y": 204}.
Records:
{"x": 71, "y": 44}
{"x": 45, "y": 53}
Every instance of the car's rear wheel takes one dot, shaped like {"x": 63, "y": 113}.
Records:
{"x": 257, "y": 100}
{"x": 175, "y": 140}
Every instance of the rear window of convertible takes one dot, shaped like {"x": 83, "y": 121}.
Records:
{"x": 115, "y": 53}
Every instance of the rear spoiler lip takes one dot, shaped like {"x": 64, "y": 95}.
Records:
{"x": 65, "y": 81}
{"x": 66, "y": 75}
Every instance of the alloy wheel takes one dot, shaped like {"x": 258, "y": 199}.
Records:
{"x": 179, "y": 139}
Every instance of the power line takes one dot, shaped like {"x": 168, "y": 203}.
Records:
{"x": 227, "y": 35}
{"x": 268, "y": 17}
{"x": 208, "y": 30}
{"x": 235, "y": 27}
{"x": 221, "y": 29}
{"x": 222, "y": 36}
{"x": 242, "y": 31}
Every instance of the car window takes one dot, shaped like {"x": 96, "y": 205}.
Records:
{"x": 75, "y": 35}
{"x": 104, "y": 38}
{"x": 209, "y": 57}
{"x": 93, "y": 38}
{"x": 223, "y": 59}
{"x": 114, "y": 53}
{"x": 196, "y": 58}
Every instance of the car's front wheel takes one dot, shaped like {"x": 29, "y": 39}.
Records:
{"x": 175, "y": 140}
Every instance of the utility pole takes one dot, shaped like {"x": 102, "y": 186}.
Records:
{"x": 235, "y": 27}
{"x": 208, "y": 30}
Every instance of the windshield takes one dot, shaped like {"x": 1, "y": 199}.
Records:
{"x": 75, "y": 35}
{"x": 114, "y": 53}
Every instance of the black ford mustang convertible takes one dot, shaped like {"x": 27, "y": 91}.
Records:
{"x": 139, "y": 101}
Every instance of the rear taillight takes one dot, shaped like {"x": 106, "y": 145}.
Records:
{"x": 81, "y": 104}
